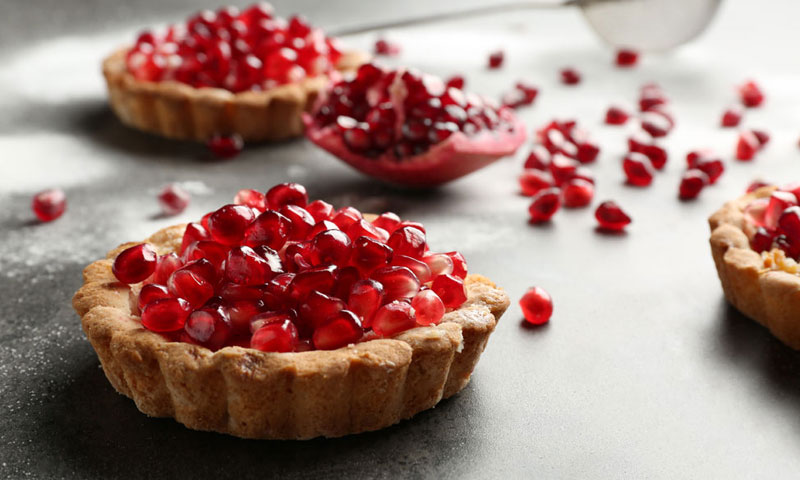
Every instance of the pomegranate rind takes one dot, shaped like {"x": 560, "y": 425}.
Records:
{"x": 768, "y": 295}
{"x": 358, "y": 388}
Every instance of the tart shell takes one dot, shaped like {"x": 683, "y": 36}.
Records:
{"x": 176, "y": 110}
{"x": 253, "y": 394}
{"x": 770, "y": 297}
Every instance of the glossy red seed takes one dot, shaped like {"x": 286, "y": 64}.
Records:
{"x": 438, "y": 263}
{"x": 611, "y": 217}
{"x": 398, "y": 282}
{"x": 275, "y": 337}
{"x": 251, "y": 198}
{"x": 339, "y": 331}
{"x": 656, "y": 123}
{"x": 165, "y": 265}
{"x": 318, "y": 308}
{"x": 616, "y": 116}
{"x": 369, "y": 254}
{"x": 135, "y": 264}
{"x": 496, "y": 59}
{"x": 538, "y": 158}
{"x": 577, "y": 193}
{"x": 750, "y": 94}
{"x": 150, "y": 293}
{"x": 544, "y": 205}
{"x": 331, "y": 247}
{"x": 419, "y": 268}
{"x": 320, "y": 210}
{"x": 746, "y": 146}
{"x": 656, "y": 154}
{"x": 245, "y": 267}
{"x": 692, "y": 183}
{"x": 270, "y": 228}
{"x": 626, "y": 57}
{"x": 211, "y": 251}
{"x": 387, "y": 221}
{"x": 49, "y": 204}
{"x": 190, "y": 286}
{"x": 761, "y": 136}
{"x": 456, "y": 81}
{"x": 227, "y": 225}
{"x": 570, "y": 76}
{"x": 713, "y": 167}
{"x": 409, "y": 241}
{"x": 459, "y": 264}
{"x": 166, "y": 315}
{"x": 241, "y": 312}
{"x": 762, "y": 240}
{"x": 450, "y": 289}
{"x": 287, "y": 194}
{"x": 650, "y": 96}
{"x": 638, "y": 169}
{"x": 173, "y": 199}
{"x": 428, "y": 308}
{"x": 301, "y": 221}
{"x": 778, "y": 202}
{"x": 531, "y": 181}
{"x": 365, "y": 297}
{"x": 194, "y": 232}
{"x": 209, "y": 327}
{"x": 536, "y": 305}
{"x": 346, "y": 216}
{"x": 563, "y": 168}
{"x": 731, "y": 117}
{"x": 385, "y": 47}
{"x": 789, "y": 224}
{"x": 587, "y": 152}
{"x": 225, "y": 146}
{"x": 393, "y": 318}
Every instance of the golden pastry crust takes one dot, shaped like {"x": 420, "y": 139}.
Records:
{"x": 253, "y": 394}
{"x": 176, "y": 110}
{"x": 769, "y": 296}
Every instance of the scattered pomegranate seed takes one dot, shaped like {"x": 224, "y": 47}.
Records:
{"x": 651, "y": 95}
{"x": 570, "y": 76}
{"x": 656, "y": 154}
{"x": 536, "y": 305}
{"x": 496, "y": 59}
{"x": 762, "y": 137}
{"x": 616, "y": 116}
{"x": 731, "y": 117}
{"x": 638, "y": 169}
{"x": 523, "y": 94}
{"x": 611, "y": 217}
{"x": 747, "y": 145}
{"x": 385, "y": 47}
{"x": 538, "y": 158}
{"x": 173, "y": 199}
{"x": 135, "y": 264}
{"x": 706, "y": 162}
{"x": 544, "y": 205}
{"x": 656, "y": 122}
{"x": 456, "y": 81}
{"x": 627, "y": 57}
{"x": 778, "y": 202}
{"x": 577, "y": 193}
{"x": 692, "y": 183}
{"x": 531, "y": 181}
{"x": 48, "y": 205}
{"x": 225, "y": 146}
{"x": 750, "y": 94}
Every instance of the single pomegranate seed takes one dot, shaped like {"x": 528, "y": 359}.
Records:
{"x": 150, "y": 293}
{"x": 393, "y": 318}
{"x": 747, "y": 146}
{"x": 459, "y": 264}
{"x": 346, "y": 217}
{"x": 778, "y": 202}
{"x": 301, "y": 221}
{"x": 369, "y": 254}
{"x": 731, "y": 117}
{"x": 165, "y": 265}
{"x": 531, "y": 181}
{"x": 173, "y": 199}
{"x": 241, "y": 312}
{"x": 366, "y": 296}
{"x": 570, "y": 76}
{"x": 751, "y": 94}
{"x": 538, "y": 159}
{"x": 135, "y": 264}
{"x": 705, "y": 162}
{"x": 544, "y": 205}
{"x": 496, "y": 59}
{"x": 339, "y": 331}
{"x": 692, "y": 182}
{"x": 225, "y": 146}
{"x": 656, "y": 123}
{"x": 194, "y": 232}
{"x": 385, "y": 47}
{"x": 587, "y": 152}
{"x": 651, "y": 95}
{"x": 191, "y": 286}
{"x": 245, "y": 267}
{"x": 48, "y": 205}
{"x": 456, "y": 81}
{"x": 563, "y": 168}
{"x": 398, "y": 282}
{"x": 320, "y": 210}
{"x": 616, "y": 116}
{"x": 762, "y": 240}
{"x": 792, "y": 188}
{"x": 320, "y": 279}
{"x": 789, "y": 224}
{"x": 438, "y": 263}
{"x": 210, "y": 327}
{"x": 611, "y": 217}
{"x": 656, "y": 154}
{"x": 638, "y": 169}
{"x": 419, "y": 268}
{"x": 287, "y": 194}
{"x": 577, "y": 193}
{"x": 275, "y": 337}
{"x": 270, "y": 229}
{"x": 228, "y": 224}
{"x": 407, "y": 241}
{"x": 450, "y": 289}
{"x": 428, "y": 308}
{"x": 166, "y": 315}
{"x": 209, "y": 251}
{"x": 331, "y": 247}
{"x": 252, "y": 199}
{"x": 387, "y": 221}
{"x": 756, "y": 184}
{"x": 318, "y": 308}
{"x": 536, "y": 305}
{"x": 627, "y": 57}
{"x": 762, "y": 137}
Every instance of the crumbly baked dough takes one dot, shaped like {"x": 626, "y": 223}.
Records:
{"x": 769, "y": 296}
{"x": 176, "y": 110}
{"x": 254, "y": 394}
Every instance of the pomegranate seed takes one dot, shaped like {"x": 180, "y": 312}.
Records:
{"x": 438, "y": 263}
{"x": 428, "y": 308}
{"x": 194, "y": 232}
{"x": 692, "y": 182}
{"x": 408, "y": 241}
{"x": 587, "y": 152}
{"x": 166, "y": 315}
{"x": 241, "y": 312}
{"x": 212, "y": 252}
{"x": 705, "y": 162}
{"x": 456, "y": 81}
{"x": 346, "y": 217}
{"x": 459, "y": 264}
{"x": 385, "y": 47}
{"x": 747, "y": 146}
{"x": 209, "y": 327}
{"x": 270, "y": 229}
{"x": 778, "y": 202}
{"x": 789, "y": 224}
{"x": 577, "y": 193}
{"x": 638, "y": 169}
{"x": 398, "y": 282}
{"x": 301, "y": 221}
{"x": 538, "y": 159}
{"x": 419, "y": 268}
{"x": 616, "y": 116}
{"x": 227, "y": 225}
{"x": 762, "y": 137}
{"x": 751, "y": 94}
{"x": 656, "y": 123}
{"x": 369, "y": 254}
{"x": 611, "y": 217}
{"x": 320, "y": 279}
{"x": 627, "y": 57}
{"x": 150, "y": 293}
{"x": 252, "y": 199}
{"x": 731, "y": 117}
{"x": 331, "y": 247}
{"x": 387, "y": 221}
{"x": 365, "y": 297}
{"x": 570, "y": 76}
{"x": 393, "y": 318}
{"x": 544, "y": 205}
{"x": 173, "y": 199}
{"x": 340, "y": 330}
{"x": 49, "y": 204}
{"x": 320, "y": 210}
{"x": 190, "y": 285}
{"x": 275, "y": 337}
{"x": 165, "y": 265}
{"x": 531, "y": 181}
{"x": 656, "y": 154}
{"x": 762, "y": 240}
{"x": 756, "y": 184}
{"x": 135, "y": 264}
{"x": 563, "y": 168}
{"x": 225, "y": 146}
{"x": 245, "y": 267}
{"x": 536, "y": 305}
{"x": 496, "y": 59}
{"x": 318, "y": 308}
{"x": 651, "y": 96}
{"x": 450, "y": 289}
{"x": 287, "y": 194}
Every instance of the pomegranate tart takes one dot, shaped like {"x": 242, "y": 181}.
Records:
{"x": 278, "y": 318}
{"x": 755, "y": 242}
{"x": 249, "y": 73}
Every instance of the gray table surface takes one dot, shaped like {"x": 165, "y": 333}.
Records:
{"x": 644, "y": 371}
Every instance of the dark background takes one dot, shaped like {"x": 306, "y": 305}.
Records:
{"x": 644, "y": 371}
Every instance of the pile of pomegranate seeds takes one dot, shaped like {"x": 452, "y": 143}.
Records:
{"x": 173, "y": 199}
{"x": 523, "y": 94}
{"x": 404, "y": 113}
{"x": 237, "y": 51}
{"x": 611, "y": 217}
{"x": 570, "y": 76}
{"x": 749, "y": 143}
{"x": 536, "y": 305}
{"x": 48, "y": 205}
{"x": 750, "y": 94}
{"x": 277, "y": 273}
{"x": 385, "y": 47}
{"x": 225, "y": 146}
{"x": 778, "y": 220}
{"x": 627, "y": 57}
{"x": 496, "y": 59}
{"x": 731, "y": 117}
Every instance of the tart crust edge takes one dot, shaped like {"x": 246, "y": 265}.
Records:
{"x": 770, "y": 297}
{"x": 178, "y": 111}
{"x": 253, "y": 394}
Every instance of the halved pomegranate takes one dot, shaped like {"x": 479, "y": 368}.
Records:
{"x": 406, "y": 127}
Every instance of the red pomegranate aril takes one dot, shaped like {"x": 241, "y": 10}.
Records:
{"x": 207, "y": 250}
{"x": 135, "y": 264}
{"x": 627, "y": 57}
{"x": 165, "y": 265}
{"x": 459, "y": 264}
{"x": 570, "y": 76}
{"x": 190, "y": 286}
{"x": 232, "y": 292}
{"x": 456, "y": 81}
{"x": 173, "y": 199}
{"x": 194, "y": 232}
{"x": 274, "y": 264}
{"x": 369, "y": 254}
{"x": 496, "y": 59}
{"x": 363, "y": 228}
{"x": 225, "y": 146}
{"x": 320, "y": 210}
{"x": 428, "y": 308}
{"x": 747, "y": 145}
{"x": 793, "y": 188}
{"x": 166, "y": 315}
{"x": 651, "y": 95}
{"x": 241, "y": 312}
{"x": 587, "y": 152}
{"x": 761, "y": 136}
{"x": 531, "y": 181}
{"x": 789, "y": 224}
{"x": 536, "y": 305}
{"x": 409, "y": 241}
{"x": 638, "y": 169}
{"x": 616, "y": 116}
{"x": 49, "y": 204}
{"x": 731, "y": 117}
{"x": 385, "y": 47}
{"x": 450, "y": 289}
{"x": 563, "y": 168}
{"x": 656, "y": 123}
{"x": 252, "y": 199}
{"x": 150, "y": 293}
{"x": 393, "y": 318}
{"x": 321, "y": 227}
{"x": 346, "y": 216}
{"x": 611, "y": 217}
{"x": 419, "y": 268}
{"x": 577, "y": 193}
{"x": 331, "y": 247}
{"x": 320, "y": 279}
{"x": 544, "y": 205}
{"x": 387, "y": 221}
{"x": 228, "y": 224}
{"x": 692, "y": 183}
{"x": 245, "y": 267}
{"x": 750, "y": 94}
{"x": 301, "y": 221}
{"x": 762, "y": 240}
{"x": 778, "y": 202}
{"x": 287, "y": 194}
{"x": 318, "y": 308}
{"x": 398, "y": 282}
{"x": 275, "y": 337}
{"x": 270, "y": 228}
{"x": 538, "y": 158}
{"x": 339, "y": 331}
{"x": 365, "y": 297}
{"x": 438, "y": 263}
{"x": 656, "y": 154}
{"x": 209, "y": 327}
{"x": 714, "y": 168}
